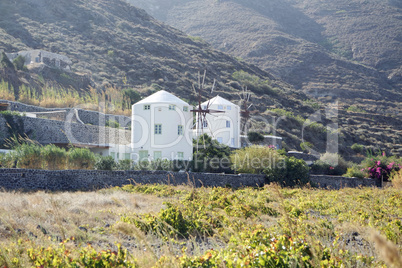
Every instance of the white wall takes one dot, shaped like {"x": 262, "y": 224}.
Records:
{"x": 169, "y": 143}
{"x": 217, "y": 125}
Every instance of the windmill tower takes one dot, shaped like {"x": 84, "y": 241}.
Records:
{"x": 245, "y": 108}
{"x": 202, "y": 109}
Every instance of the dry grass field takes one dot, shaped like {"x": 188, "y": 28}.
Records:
{"x": 167, "y": 226}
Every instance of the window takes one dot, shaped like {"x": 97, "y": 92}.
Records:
{"x": 219, "y": 139}
{"x": 158, "y": 129}
{"x": 180, "y": 130}
{"x": 232, "y": 142}
{"x": 204, "y": 107}
{"x": 113, "y": 154}
{"x": 227, "y": 123}
{"x": 147, "y": 107}
{"x": 205, "y": 124}
{"x": 220, "y": 107}
{"x": 126, "y": 156}
{"x": 229, "y": 107}
{"x": 143, "y": 155}
{"x": 172, "y": 107}
{"x": 118, "y": 156}
{"x": 157, "y": 155}
{"x": 185, "y": 108}
{"x": 180, "y": 155}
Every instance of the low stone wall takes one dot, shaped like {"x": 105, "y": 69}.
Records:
{"x": 338, "y": 182}
{"x": 86, "y": 180}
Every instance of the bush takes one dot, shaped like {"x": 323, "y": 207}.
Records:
{"x": 330, "y": 164}
{"x": 358, "y": 148}
{"x": 105, "y": 163}
{"x": 28, "y": 155}
{"x": 354, "y": 172}
{"x": 7, "y": 160}
{"x": 381, "y": 166}
{"x": 112, "y": 124}
{"x": 81, "y": 158}
{"x": 5, "y": 62}
{"x": 306, "y": 146}
{"x": 290, "y": 172}
{"x": 210, "y": 156}
{"x": 55, "y": 158}
{"x": 19, "y": 63}
{"x": 255, "y": 137}
{"x": 125, "y": 164}
{"x": 396, "y": 178}
{"x": 254, "y": 159}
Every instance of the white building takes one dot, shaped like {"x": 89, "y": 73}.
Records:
{"x": 37, "y": 57}
{"x": 161, "y": 128}
{"x": 223, "y": 126}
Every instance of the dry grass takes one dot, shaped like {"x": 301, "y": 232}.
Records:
{"x": 397, "y": 180}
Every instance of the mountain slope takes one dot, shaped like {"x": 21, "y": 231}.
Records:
{"x": 347, "y": 49}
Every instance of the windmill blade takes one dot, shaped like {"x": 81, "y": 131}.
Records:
{"x": 195, "y": 91}
{"x": 199, "y": 82}
{"x": 213, "y": 86}
{"x": 203, "y": 78}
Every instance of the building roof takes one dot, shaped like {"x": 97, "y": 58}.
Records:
{"x": 218, "y": 100}
{"x": 162, "y": 96}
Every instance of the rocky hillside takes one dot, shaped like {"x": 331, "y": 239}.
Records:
{"x": 117, "y": 44}
{"x": 346, "y": 48}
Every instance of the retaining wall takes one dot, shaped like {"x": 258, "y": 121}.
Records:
{"x": 86, "y": 180}
{"x": 47, "y": 131}
{"x": 72, "y": 180}
{"x": 338, "y": 182}
{"x": 87, "y": 117}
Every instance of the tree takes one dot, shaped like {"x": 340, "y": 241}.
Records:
{"x": 255, "y": 137}
{"x": 5, "y": 62}
{"x": 19, "y": 63}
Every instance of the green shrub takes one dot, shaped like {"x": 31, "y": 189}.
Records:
{"x": 125, "y": 164}
{"x": 330, "y": 164}
{"x": 80, "y": 158}
{"x": 358, "y": 148}
{"x": 254, "y": 159}
{"x": 354, "y": 172}
{"x": 255, "y": 137}
{"x": 5, "y": 61}
{"x": 7, "y": 160}
{"x": 105, "y": 163}
{"x": 55, "y": 158}
{"x": 210, "y": 156}
{"x": 290, "y": 172}
{"x": 306, "y": 146}
{"x": 19, "y": 63}
{"x": 28, "y": 155}
{"x": 112, "y": 124}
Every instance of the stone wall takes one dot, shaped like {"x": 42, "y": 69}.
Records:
{"x": 87, "y": 117}
{"x": 338, "y": 182}
{"x": 86, "y": 180}
{"x": 59, "y": 132}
